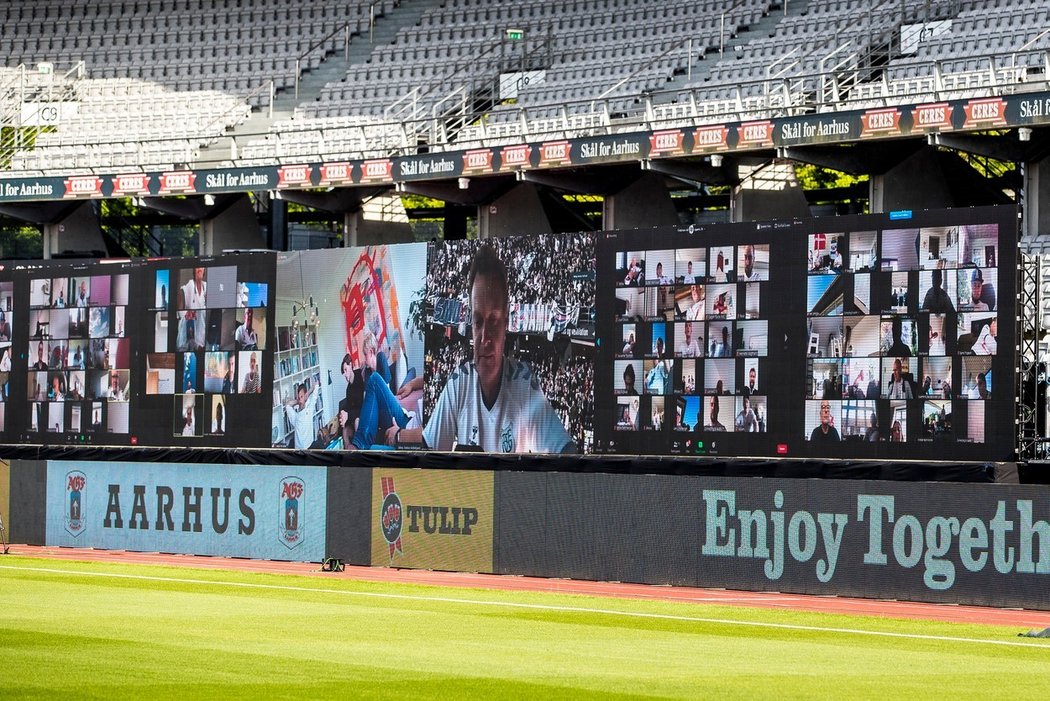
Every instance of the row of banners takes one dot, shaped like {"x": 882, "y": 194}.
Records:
{"x": 961, "y": 543}
{"x": 740, "y": 136}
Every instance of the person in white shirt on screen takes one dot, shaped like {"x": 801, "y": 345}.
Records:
{"x": 300, "y": 413}
{"x": 246, "y": 336}
{"x": 723, "y": 349}
{"x": 987, "y": 342}
{"x": 696, "y": 311}
{"x": 628, "y": 347}
{"x": 689, "y": 347}
{"x": 750, "y": 274}
{"x": 492, "y": 402}
{"x": 656, "y": 379}
{"x": 746, "y": 420}
{"x": 60, "y": 303}
{"x": 899, "y": 387}
{"x": 662, "y": 279}
{"x": 115, "y": 393}
{"x": 251, "y": 380}
{"x": 689, "y": 278}
{"x": 193, "y": 294}
{"x": 82, "y": 298}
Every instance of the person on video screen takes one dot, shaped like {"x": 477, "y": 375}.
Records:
{"x": 696, "y": 309}
{"x": 982, "y": 293}
{"x": 899, "y": 348}
{"x": 629, "y": 380}
{"x": 824, "y": 432}
{"x": 492, "y": 402}
{"x": 713, "y": 423}
{"x": 689, "y": 347}
{"x": 937, "y": 299}
{"x": 379, "y": 409}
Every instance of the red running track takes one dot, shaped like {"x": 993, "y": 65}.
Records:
{"x": 1021, "y": 618}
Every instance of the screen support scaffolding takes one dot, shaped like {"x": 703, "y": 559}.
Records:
{"x": 1030, "y": 367}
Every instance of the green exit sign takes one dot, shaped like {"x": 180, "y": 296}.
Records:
{"x": 515, "y": 34}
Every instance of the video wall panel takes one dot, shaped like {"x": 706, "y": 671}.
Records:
{"x": 863, "y": 337}
{"x": 867, "y": 337}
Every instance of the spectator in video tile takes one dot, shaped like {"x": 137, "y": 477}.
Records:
{"x": 982, "y": 387}
{"x": 750, "y": 274}
{"x": 824, "y": 432}
{"x": 746, "y": 420}
{"x": 662, "y": 279}
{"x": 189, "y": 425}
{"x": 987, "y": 342}
{"x": 56, "y": 392}
{"x": 192, "y": 295}
{"x": 872, "y": 433}
{"x": 713, "y": 423}
{"x": 60, "y": 301}
{"x": 689, "y": 347}
{"x": 251, "y": 380}
{"x": 350, "y": 405}
{"x": 899, "y": 387}
{"x": 927, "y": 386}
{"x": 982, "y": 293}
{"x": 217, "y": 423}
{"x": 82, "y": 297}
{"x": 492, "y": 402}
{"x": 658, "y": 348}
{"x": 246, "y": 337}
{"x": 658, "y": 377}
{"x": 41, "y": 358}
{"x": 5, "y": 360}
{"x": 229, "y": 380}
{"x": 689, "y": 278}
{"x": 380, "y": 409}
{"x": 751, "y": 388}
{"x": 696, "y": 311}
{"x": 300, "y": 413}
{"x": 937, "y": 299}
{"x": 628, "y": 381}
{"x": 723, "y": 349}
{"x": 628, "y": 347}
{"x": 896, "y": 433}
{"x": 898, "y": 348}
{"x": 115, "y": 393}
{"x": 634, "y": 273}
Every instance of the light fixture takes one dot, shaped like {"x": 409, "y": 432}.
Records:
{"x": 464, "y": 183}
{"x": 716, "y": 160}
{"x": 305, "y": 304}
{"x": 1024, "y": 134}
{"x": 209, "y": 200}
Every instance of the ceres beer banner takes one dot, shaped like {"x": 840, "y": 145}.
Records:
{"x": 432, "y": 519}
{"x": 275, "y": 513}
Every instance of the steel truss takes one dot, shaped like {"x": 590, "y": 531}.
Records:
{"x": 1031, "y": 356}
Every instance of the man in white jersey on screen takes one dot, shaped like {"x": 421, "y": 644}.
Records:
{"x": 492, "y": 403}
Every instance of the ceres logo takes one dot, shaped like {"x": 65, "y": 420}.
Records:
{"x": 290, "y": 530}
{"x": 73, "y": 514}
{"x": 391, "y": 517}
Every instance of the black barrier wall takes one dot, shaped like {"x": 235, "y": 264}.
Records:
{"x": 967, "y": 544}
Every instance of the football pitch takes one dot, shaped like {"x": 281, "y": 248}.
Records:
{"x": 88, "y": 629}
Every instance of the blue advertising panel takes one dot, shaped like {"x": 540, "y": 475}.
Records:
{"x": 275, "y": 513}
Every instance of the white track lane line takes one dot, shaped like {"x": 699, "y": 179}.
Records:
{"x": 538, "y": 607}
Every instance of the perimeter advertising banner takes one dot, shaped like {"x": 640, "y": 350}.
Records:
{"x": 275, "y": 513}
{"x": 432, "y": 519}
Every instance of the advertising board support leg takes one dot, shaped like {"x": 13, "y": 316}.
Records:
{"x": 3, "y": 534}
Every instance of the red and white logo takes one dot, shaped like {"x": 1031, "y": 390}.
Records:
{"x": 130, "y": 184}
{"x": 333, "y": 173}
{"x": 880, "y": 122}
{"x": 755, "y": 134}
{"x": 178, "y": 181}
{"x": 664, "y": 143}
{"x": 515, "y": 156}
{"x": 477, "y": 161}
{"x": 554, "y": 153}
{"x": 988, "y": 112}
{"x": 707, "y": 138}
{"x": 83, "y": 186}
{"x": 291, "y": 176}
{"x": 377, "y": 170}
{"x": 932, "y": 116}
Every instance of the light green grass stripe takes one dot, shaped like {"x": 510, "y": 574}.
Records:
{"x": 542, "y": 607}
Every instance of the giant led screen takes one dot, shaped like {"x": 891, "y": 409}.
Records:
{"x": 859, "y": 337}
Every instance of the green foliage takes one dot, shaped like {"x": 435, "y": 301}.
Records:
{"x": 811, "y": 177}
{"x": 21, "y": 242}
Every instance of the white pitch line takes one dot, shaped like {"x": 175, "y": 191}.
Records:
{"x": 540, "y": 607}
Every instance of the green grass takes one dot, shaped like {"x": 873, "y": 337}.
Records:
{"x": 67, "y": 631}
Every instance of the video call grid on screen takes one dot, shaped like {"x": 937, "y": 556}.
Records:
{"x": 693, "y": 345}
{"x": 873, "y": 293}
{"x": 905, "y": 317}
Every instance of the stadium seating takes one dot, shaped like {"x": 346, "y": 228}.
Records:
{"x": 164, "y": 79}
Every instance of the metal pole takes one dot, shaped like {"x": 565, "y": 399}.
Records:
{"x": 371, "y": 23}
{"x": 269, "y": 114}
{"x": 346, "y": 43}
{"x": 722, "y": 36}
{"x": 296, "y": 79}
{"x": 689, "y": 58}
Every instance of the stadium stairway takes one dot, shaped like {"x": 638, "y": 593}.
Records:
{"x": 735, "y": 43}
{"x": 333, "y": 69}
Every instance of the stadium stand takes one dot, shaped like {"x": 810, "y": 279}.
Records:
{"x": 180, "y": 76}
